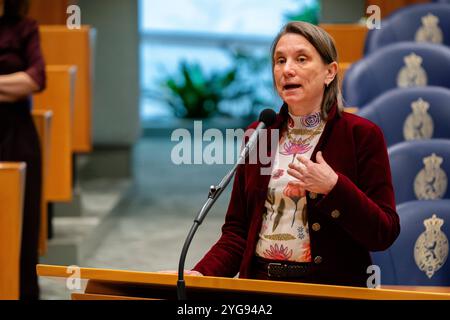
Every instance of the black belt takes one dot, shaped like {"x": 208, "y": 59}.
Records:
{"x": 283, "y": 269}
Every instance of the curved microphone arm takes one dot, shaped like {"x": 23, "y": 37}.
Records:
{"x": 214, "y": 193}
{"x": 266, "y": 118}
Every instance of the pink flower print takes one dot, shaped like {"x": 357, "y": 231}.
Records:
{"x": 306, "y": 256}
{"x": 291, "y": 148}
{"x": 277, "y": 174}
{"x": 278, "y": 252}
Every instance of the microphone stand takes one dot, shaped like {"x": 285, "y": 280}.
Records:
{"x": 214, "y": 193}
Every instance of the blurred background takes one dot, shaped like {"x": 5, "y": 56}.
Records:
{"x": 143, "y": 68}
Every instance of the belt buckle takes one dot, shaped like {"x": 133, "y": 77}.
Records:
{"x": 273, "y": 264}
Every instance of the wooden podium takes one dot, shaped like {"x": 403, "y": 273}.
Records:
{"x": 104, "y": 284}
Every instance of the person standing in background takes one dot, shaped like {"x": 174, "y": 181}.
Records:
{"x": 22, "y": 73}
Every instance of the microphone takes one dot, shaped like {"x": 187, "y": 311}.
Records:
{"x": 266, "y": 118}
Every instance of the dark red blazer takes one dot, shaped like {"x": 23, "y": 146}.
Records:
{"x": 356, "y": 217}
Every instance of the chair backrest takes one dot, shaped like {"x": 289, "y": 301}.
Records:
{"x": 420, "y": 169}
{"x": 428, "y": 22}
{"x": 400, "y": 65}
{"x": 411, "y": 113}
{"x": 419, "y": 255}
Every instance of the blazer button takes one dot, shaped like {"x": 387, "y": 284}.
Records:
{"x": 312, "y": 195}
{"x": 318, "y": 260}
{"x": 315, "y": 226}
{"x": 335, "y": 214}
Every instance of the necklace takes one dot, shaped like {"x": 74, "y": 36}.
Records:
{"x": 303, "y": 131}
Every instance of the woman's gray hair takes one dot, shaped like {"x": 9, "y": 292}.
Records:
{"x": 324, "y": 45}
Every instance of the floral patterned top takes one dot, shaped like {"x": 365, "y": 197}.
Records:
{"x": 284, "y": 233}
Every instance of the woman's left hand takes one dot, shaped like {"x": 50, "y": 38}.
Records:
{"x": 315, "y": 177}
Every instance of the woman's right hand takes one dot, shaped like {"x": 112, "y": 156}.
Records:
{"x": 186, "y": 272}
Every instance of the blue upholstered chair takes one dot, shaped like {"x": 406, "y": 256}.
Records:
{"x": 419, "y": 255}
{"x": 420, "y": 169}
{"x": 403, "y": 65}
{"x": 428, "y": 22}
{"x": 411, "y": 113}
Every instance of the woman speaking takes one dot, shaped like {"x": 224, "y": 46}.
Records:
{"x": 329, "y": 199}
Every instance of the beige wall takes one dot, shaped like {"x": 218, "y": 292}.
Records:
{"x": 116, "y": 85}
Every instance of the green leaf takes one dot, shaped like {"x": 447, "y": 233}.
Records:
{"x": 196, "y": 94}
{"x": 304, "y": 215}
{"x": 271, "y": 196}
{"x": 280, "y": 212}
{"x": 308, "y": 13}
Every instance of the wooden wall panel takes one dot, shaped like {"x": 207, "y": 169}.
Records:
{"x": 57, "y": 97}
{"x": 50, "y": 11}
{"x": 349, "y": 40}
{"x": 62, "y": 46}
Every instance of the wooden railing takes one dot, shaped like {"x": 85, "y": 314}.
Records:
{"x": 43, "y": 122}
{"x": 12, "y": 182}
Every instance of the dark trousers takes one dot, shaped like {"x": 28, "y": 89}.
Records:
{"x": 19, "y": 142}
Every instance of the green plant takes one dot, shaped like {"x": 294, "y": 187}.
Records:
{"x": 308, "y": 13}
{"x": 253, "y": 79}
{"x": 193, "y": 94}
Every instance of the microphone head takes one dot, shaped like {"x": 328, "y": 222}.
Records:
{"x": 268, "y": 117}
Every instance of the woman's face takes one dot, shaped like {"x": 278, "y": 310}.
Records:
{"x": 300, "y": 74}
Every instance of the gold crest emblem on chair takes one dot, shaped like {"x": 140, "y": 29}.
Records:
{"x": 429, "y": 31}
{"x": 419, "y": 124}
{"x": 431, "y": 182}
{"x": 412, "y": 74}
{"x": 431, "y": 247}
